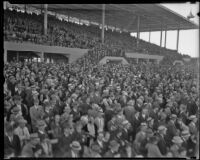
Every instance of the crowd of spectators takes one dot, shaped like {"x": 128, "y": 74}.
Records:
{"x": 24, "y": 27}
{"x": 90, "y": 110}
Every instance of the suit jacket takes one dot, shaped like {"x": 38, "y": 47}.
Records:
{"x": 85, "y": 128}
{"x": 183, "y": 116}
{"x": 142, "y": 119}
{"x": 153, "y": 151}
{"x": 36, "y": 114}
{"x": 129, "y": 111}
{"x": 27, "y": 150}
{"x": 70, "y": 155}
{"x": 23, "y": 109}
{"x": 23, "y": 134}
{"x": 162, "y": 145}
{"x": 108, "y": 116}
{"x": 15, "y": 144}
{"x": 109, "y": 154}
{"x": 171, "y": 130}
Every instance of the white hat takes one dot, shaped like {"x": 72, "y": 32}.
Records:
{"x": 75, "y": 145}
{"x": 177, "y": 139}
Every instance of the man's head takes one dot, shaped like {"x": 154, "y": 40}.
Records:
{"x": 114, "y": 145}
{"x": 75, "y": 146}
{"x": 17, "y": 100}
{"x": 162, "y": 130}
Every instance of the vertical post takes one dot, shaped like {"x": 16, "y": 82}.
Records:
{"x": 45, "y": 18}
{"x": 5, "y": 56}
{"x": 149, "y": 36}
{"x": 42, "y": 57}
{"x": 165, "y": 37}
{"x": 103, "y": 23}
{"x": 177, "y": 43}
{"x": 138, "y": 31}
{"x": 161, "y": 37}
{"x": 17, "y": 56}
{"x": 25, "y": 8}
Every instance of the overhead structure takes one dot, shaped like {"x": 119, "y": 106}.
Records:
{"x": 121, "y": 15}
{"x": 130, "y": 17}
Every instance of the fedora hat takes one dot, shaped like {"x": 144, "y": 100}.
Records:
{"x": 41, "y": 123}
{"x": 173, "y": 116}
{"x": 185, "y": 133}
{"x": 192, "y": 117}
{"x": 162, "y": 128}
{"x": 149, "y": 119}
{"x": 177, "y": 140}
{"x": 149, "y": 131}
{"x": 22, "y": 121}
{"x": 16, "y": 109}
{"x": 96, "y": 148}
{"x": 113, "y": 143}
{"x": 75, "y": 145}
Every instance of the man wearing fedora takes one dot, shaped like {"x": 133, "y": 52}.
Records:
{"x": 74, "y": 151}
{"x": 171, "y": 129}
{"x": 36, "y": 113}
{"x": 17, "y": 103}
{"x": 161, "y": 139}
{"x": 29, "y": 149}
{"x": 177, "y": 143}
{"x": 41, "y": 125}
{"x": 22, "y": 131}
{"x": 11, "y": 141}
{"x": 192, "y": 124}
{"x": 113, "y": 150}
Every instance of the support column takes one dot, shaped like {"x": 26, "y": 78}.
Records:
{"x": 161, "y": 37}
{"x": 5, "y": 56}
{"x": 138, "y": 31}
{"x": 25, "y": 8}
{"x": 177, "y": 43}
{"x": 137, "y": 60}
{"x": 42, "y": 57}
{"x": 45, "y": 18}
{"x": 149, "y": 36}
{"x": 103, "y": 23}
{"x": 17, "y": 56}
{"x": 165, "y": 38}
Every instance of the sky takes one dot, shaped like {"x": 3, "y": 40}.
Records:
{"x": 188, "y": 39}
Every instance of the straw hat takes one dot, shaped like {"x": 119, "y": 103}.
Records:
{"x": 41, "y": 123}
{"x": 173, "y": 116}
{"x": 22, "y": 121}
{"x": 177, "y": 140}
{"x": 185, "y": 133}
{"x": 96, "y": 148}
{"x": 75, "y": 145}
{"x": 192, "y": 117}
{"x": 162, "y": 128}
{"x": 16, "y": 109}
{"x": 113, "y": 143}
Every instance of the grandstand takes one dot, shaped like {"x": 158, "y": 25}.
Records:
{"x": 69, "y": 30}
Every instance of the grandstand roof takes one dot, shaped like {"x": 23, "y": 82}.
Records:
{"x": 124, "y": 16}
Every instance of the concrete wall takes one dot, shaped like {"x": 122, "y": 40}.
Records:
{"x": 73, "y": 53}
{"x": 104, "y": 60}
{"x": 143, "y": 56}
